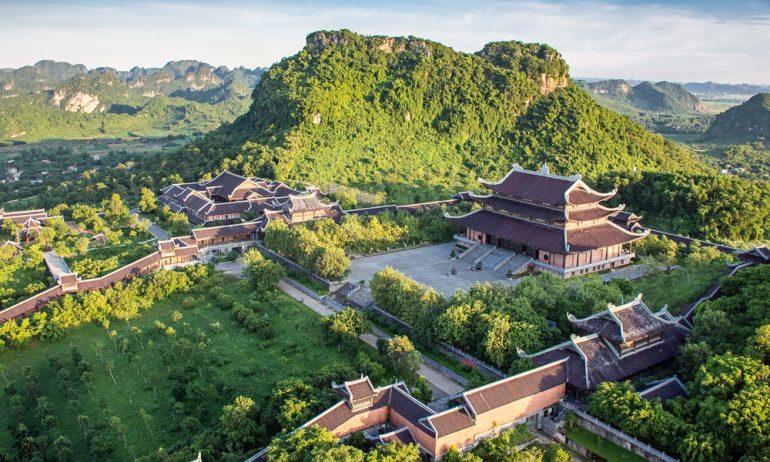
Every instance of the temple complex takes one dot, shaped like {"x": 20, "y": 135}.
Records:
{"x": 229, "y": 197}
{"x": 558, "y": 221}
{"x": 618, "y": 343}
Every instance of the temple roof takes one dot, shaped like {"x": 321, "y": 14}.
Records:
{"x": 355, "y": 389}
{"x": 593, "y": 213}
{"x": 544, "y": 187}
{"x": 451, "y": 421}
{"x": 542, "y": 236}
{"x": 665, "y": 389}
{"x": 225, "y": 184}
{"x": 625, "y": 323}
{"x": 519, "y": 208}
{"x": 513, "y": 388}
{"x": 223, "y": 231}
{"x": 401, "y": 436}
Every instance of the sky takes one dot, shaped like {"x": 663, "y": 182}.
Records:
{"x": 677, "y": 40}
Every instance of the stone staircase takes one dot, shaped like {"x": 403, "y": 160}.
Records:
{"x": 496, "y": 259}
{"x": 517, "y": 264}
{"x": 474, "y": 254}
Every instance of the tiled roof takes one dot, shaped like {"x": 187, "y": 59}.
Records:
{"x": 533, "y": 186}
{"x": 520, "y": 208}
{"x": 596, "y": 361}
{"x": 305, "y": 203}
{"x": 513, "y": 388}
{"x": 407, "y": 406}
{"x": 665, "y": 389}
{"x": 593, "y": 213}
{"x": 226, "y": 230}
{"x": 451, "y": 421}
{"x": 625, "y": 323}
{"x": 601, "y": 235}
{"x": 400, "y": 436}
{"x": 582, "y": 196}
{"x": 226, "y": 183}
{"x": 543, "y": 237}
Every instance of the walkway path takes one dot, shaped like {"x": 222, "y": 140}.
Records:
{"x": 440, "y": 384}
{"x": 56, "y": 264}
{"x": 154, "y": 229}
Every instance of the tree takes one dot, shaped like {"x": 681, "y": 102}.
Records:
{"x": 401, "y": 354}
{"x": 238, "y": 424}
{"x": 344, "y": 327}
{"x": 422, "y": 390}
{"x": 11, "y": 228}
{"x": 119, "y": 427}
{"x": 299, "y": 445}
{"x": 147, "y": 202}
{"x": 330, "y": 262}
{"x": 62, "y": 447}
{"x": 109, "y": 366}
{"x": 261, "y": 272}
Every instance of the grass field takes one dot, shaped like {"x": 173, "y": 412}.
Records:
{"x": 678, "y": 287}
{"x": 233, "y": 362}
{"x": 601, "y": 447}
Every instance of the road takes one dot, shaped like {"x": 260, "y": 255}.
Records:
{"x": 154, "y": 229}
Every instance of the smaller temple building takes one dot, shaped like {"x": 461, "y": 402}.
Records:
{"x": 558, "y": 221}
{"x": 615, "y": 344}
{"x": 229, "y": 198}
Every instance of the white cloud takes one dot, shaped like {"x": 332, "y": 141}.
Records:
{"x": 647, "y": 41}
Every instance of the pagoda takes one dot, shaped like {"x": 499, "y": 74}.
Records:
{"x": 557, "y": 221}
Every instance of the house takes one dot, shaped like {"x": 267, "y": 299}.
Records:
{"x": 664, "y": 389}
{"x": 558, "y": 221}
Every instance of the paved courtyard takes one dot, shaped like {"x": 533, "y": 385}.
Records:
{"x": 428, "y": 265}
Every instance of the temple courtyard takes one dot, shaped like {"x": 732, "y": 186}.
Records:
{"x": 429, "y": 265}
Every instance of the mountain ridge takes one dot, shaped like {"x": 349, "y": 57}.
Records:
{"x": 417, "y": 115}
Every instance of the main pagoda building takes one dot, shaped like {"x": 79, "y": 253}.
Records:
{"x": 558, "y": 221}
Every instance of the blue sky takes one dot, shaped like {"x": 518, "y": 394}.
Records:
{"x": 676, "y": 40}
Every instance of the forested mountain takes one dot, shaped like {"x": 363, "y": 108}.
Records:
{"x": 748, "y": 122}
{"x": 665, "y": 97}
{"x": 414, "y": 115}
{"x": 61, "y": 100}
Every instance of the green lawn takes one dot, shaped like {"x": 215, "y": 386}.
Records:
{"x": 601, "y": 447}
{"x": 234, "y": 362}
{"x": 678, "y": 287}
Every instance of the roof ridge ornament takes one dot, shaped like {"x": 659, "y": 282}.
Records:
{"x": 544, "y": 168}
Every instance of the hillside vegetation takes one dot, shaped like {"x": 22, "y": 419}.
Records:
{"x": 53, "y": 100}
{"x": 748, "y": 122}
{"x": 422, "y": 119}
{"x": 663, "y": 107}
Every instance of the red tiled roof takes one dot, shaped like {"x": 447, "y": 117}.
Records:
{"x": 513, "y": 388}
{"x": 451, "y": 421}
{"x": 582, "y": 196}
{"x": 598, "y": 236}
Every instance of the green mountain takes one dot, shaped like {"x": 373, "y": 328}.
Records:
{"x": 749, "y": 121}
{"x": 663, "y": 97}
{"x": 51, "y": 100}
{"x": 418, "y": 117}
